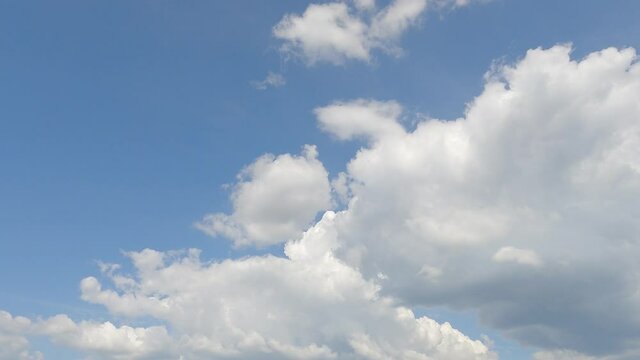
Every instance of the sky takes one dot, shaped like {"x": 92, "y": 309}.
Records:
{"x": 402, "y": 179}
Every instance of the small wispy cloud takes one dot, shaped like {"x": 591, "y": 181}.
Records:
{"x": 272, "y": 80}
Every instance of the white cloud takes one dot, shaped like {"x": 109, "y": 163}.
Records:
{"x": 520, "y": 256}
{"x": 13, "y": 343}
{"x": 275, "y": 200}
{"x": 99, "y": 340}
{"x": 326, "y": 32}
{"x": 543, "y": 169}
{"x": 392, "y": 21}
{"x": 105, "y": 340}
{"x": 361, "y": 118}
{"x": 335, "y": 32}
{"x": 272, "y": 80}
{"x": 309, "y": 305}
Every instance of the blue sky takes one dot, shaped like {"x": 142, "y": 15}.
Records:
{"x": 120, "y": 121}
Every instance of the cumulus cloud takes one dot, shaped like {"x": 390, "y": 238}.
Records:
{"x": 307, "y": 305}
{"x": 367, "y": 119}
{"x": 542, "y": 172}
{"x": 13, "y": 343}
{"x": 325, "y": 32}
{"x": 272, "y": 80}
{"x": 105, "y": 340}
{"x": 339, "y": 31}
{"x": 525, "y": 211}
{"x": 393, "y": 20}
{"x": 275, "y": 200}
{"x": 99, "y": 340}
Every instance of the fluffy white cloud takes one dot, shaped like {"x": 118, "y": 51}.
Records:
{"x": 525, "y": 211}
{"x": 105, "y": 340}
{"x": 336, "y": 32}
{"x": 98, "y": 340}
{"x": 394, "y": 20}
{"x": 543, "y": 170}
{"x": 275, "y": 200}
{"x": 325, "y": 32}
{"x": 371, "y": 120}
{"x": 13, "y": 343}
{"x": 309, "y": 305}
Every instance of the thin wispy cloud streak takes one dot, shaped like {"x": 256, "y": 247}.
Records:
{"x": 273, "y": 80}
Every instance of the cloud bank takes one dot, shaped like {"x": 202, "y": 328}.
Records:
{"x": 309, "y": 305}
{"x": 524, "y": 211}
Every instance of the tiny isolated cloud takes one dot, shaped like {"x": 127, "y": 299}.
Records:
{"x": 275, "y": 199}
{"x": 274, "y": 80}
{"x": 362, "y": 118}
{"x": 339, "y": 31}
{"x": 515, "y": 255}
{"x": 430, "y": 273}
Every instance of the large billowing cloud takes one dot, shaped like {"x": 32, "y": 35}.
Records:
{"x": 275, "y": 200}
{"x": 526, "y": 210}
{"x": 336, "y": 32}
{"x": 309, "y": 305}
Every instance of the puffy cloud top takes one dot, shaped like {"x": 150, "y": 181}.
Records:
{"x": 524, "y": 210}
{"x": 309, "y": 305}
{"x": 372, "y": 120}
{"x": 13, "y": 343}
{"x": 336, "y": 32}
{"x": 275, "y": 200}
